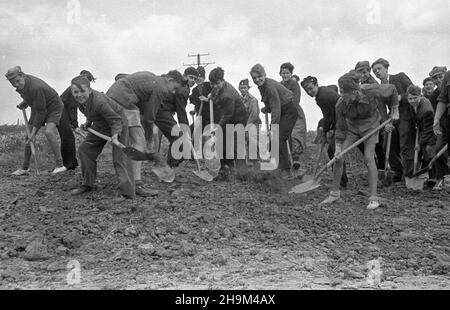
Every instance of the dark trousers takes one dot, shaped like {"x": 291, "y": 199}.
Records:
{"x": 88, "y": 153}
{"x": 68, "y": 150}
{"x": 288, "y": 119}
{"x": 441, "y": 167}
{"x": 407, "y": 133}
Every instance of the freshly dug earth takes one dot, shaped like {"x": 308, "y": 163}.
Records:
{"x": 238, "y": 232}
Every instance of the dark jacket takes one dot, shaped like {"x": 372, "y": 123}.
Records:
{"x": 41, "y": 98}
{"x": 444, "y": 95}
{"x": 229, "y": 104}
{"x": 275, "y": 95}
{"x": 177, "y": 102}
{"x": 424, "y": 118}
{"x": 103, "y": 114}
{"x": 401, "y": 82}
{"x": 142, "y": 90}
{"x": 294, "y": 87}
{"x": 326, "y": 99}
{"x": 71, "y": 107}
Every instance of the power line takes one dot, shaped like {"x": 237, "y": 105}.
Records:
{"x": 199, "y": 61}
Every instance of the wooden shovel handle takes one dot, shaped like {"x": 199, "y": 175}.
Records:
{"x": 27, "y": 129}
{"x": 416, "y": 151}
{"x": 351, "y": 147}
{"x": 388, "y": 150}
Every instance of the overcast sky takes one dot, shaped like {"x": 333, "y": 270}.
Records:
{"x": 323, "y": 38}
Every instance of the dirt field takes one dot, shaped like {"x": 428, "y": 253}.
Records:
{"x": 228, "y": 234}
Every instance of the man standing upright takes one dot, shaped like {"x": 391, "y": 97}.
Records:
{"x": 252, "y": 107}
{"x": 299, "y": 132}
{"x": 46, "y": 108}
{"x": 401, "y": 135}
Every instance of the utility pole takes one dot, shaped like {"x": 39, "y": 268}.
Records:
{"x": 199, "y": 61}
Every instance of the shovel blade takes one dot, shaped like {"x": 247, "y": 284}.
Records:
{"x": 307, "y": 178}
{"x": 204, "y": 175}
{"x": 213, "y": 164}
{"x": 415, "y": 184}
{"x": 165, "y": 174}
{"x": 269, "y": 166}
{"x": 134, "y": 154}
{"x": 305, "y": 187}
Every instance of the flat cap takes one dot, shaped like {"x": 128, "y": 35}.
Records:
{"x": 362, "y": 65}
{"x": 349, "y": 81}
{"x": 13, "y": 72}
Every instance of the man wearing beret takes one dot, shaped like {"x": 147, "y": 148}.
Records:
{"x": 46, "y": 108}
{"x": 278, "y": 101}
{"x": 401, "y": 135}
{"x": 142, "y": 94}
{"x": 358, "y": 112}
{"x": 69, "y": 122}
{"x": 228, "y": 103}
{"x": 298, "y": 136}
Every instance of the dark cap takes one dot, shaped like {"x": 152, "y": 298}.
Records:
{"x": 244, "y": 83}
{"x": 14, "y": 72}
{"x": 89, "y": 75}
{"x": 438, "y": 70}
{"x": 191, "y": 71}
{"x": 362, "y": 65}
{"x": 201, "y": 72}
{"x": 428, "y": 79}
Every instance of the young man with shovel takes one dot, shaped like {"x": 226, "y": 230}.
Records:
{"x": 298, "y": 136}
{"x": 278, "y": 100}
{"x": 107, "y": 118}
{"x": 252, "y": 107}
{"x": 326, "y": 99}
{"x": 46, "y": 108}
{"x": 358, "y": 114}
{"x": 228, "y": 103}
{"x": 423, "y": 116}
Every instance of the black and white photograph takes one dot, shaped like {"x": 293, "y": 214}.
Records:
{"x": 252, "y": 147}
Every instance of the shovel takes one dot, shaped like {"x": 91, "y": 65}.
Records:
{"x": 320, "y": 149}
{"x": 204, "y": 175}
{"x": 33, "y": 149}
{"x": 387, "y": 175}
{"x": 212, "y": 164}
{"x": 271, "y": 164}
{"x": 415, "y": 183}
{"x": 430, "y": 165}
{"x": 315, "y": 183}
{"x": 164, "y": 173}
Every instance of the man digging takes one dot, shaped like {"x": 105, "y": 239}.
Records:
{"x": 46, "y": 108}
